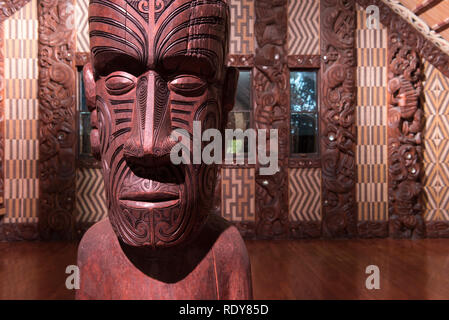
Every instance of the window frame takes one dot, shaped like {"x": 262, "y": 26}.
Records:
{"x": 82, "y": 161}
{"x": 245, "y": 63}
{"x": 305, "y": 63}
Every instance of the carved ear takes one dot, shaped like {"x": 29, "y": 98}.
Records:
{"x": 90, "y": 93}
{"x": 89, "y": 86}
{"x": 229, "y": 91}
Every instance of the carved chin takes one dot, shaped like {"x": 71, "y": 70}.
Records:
{"x": 164, "y": 217}
{"x": 157, "y": 224}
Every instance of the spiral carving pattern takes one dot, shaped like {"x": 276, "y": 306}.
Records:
{"x": 271, "y": 112}
{"x": 405, "y": 124}
{"x": 57, "y": 136}
{"x": 338, "y": 132}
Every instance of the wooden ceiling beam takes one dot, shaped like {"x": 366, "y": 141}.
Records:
{"x": 441, "y": 26}
{"x": 425, "y": 5}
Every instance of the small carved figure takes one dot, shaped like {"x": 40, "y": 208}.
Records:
{"x": 405, "y": 117}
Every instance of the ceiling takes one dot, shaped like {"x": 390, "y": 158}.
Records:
{"x": 432, "y": 12}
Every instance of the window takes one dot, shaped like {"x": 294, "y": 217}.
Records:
{"x": 84, "y": 158}
{"x": 304, "y": 129}
{"x": 240, "y": 115}
{"x": 84, "y": 120}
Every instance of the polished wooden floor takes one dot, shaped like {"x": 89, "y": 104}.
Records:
{"x": 311, "y": 269}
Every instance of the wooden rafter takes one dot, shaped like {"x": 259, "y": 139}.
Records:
{"x": 441, "y": 26}
{"x": 425, "y": 5}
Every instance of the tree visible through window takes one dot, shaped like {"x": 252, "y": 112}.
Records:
{"x": 304, "y": 112}
{"x": 240, "y": 115}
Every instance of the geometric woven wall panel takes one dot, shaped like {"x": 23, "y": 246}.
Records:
{"x": 305, "y": 194}
{"x": 238, "y": 194}
{"x": 242, "y": 27}
{"x": 82, "y": 25}
{"x": 371, "y": 113}
{"x": 90, "y": 195}
{"x": 304, "y": 27}
{"x": 436, "y": 201}
{"x": 21, "y": 115}
{"x": 436, "y": 144}
{"x": 373, "y": 211}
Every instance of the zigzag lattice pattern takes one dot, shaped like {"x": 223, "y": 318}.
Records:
{"x": 305, "y": 194}
{"x": 436, "y": 145}
{"x": 90, "y": 195}
{"x": 82, "y": 26}
{"x": 303, "y": 27}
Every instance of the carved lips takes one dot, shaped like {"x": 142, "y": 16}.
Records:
{"x": 155, "y": 199}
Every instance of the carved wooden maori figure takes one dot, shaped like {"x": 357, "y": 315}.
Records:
{"x": 271, "y": 81}
{"x": 157, "y": 66}
{"x": 405, "y": 123}
{"x": 338, "y": 132}
{"x": 57, "y": 136}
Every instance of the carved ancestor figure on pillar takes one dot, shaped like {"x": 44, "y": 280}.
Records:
{"x": 405, "y": 118}
{"x": 157, "y": 66}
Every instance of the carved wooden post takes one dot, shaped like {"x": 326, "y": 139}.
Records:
{"x": 338, "y": 131}
{"x": 271, "y": 82}
{"x": 57, "y": 136}
{"x": 405, "y": 124}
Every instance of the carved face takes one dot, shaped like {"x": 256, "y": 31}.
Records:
{"x": 156, "y": 66}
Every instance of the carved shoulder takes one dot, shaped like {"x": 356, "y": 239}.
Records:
{"x": 232, "y": 260}
{"x": 94, "y": 251}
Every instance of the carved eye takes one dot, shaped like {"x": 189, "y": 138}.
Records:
{"x": 119, "y": 83}
{"x": 189, "y": 86}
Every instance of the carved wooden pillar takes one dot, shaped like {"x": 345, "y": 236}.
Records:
{"x": 271, "y": 112}
{"x": 2, "y": 122}
{"x": 338, "y": 131}
{"x": 57, "y": 136}
{"x": 405, "y": 124}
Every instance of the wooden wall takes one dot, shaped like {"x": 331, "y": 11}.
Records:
{"x": 301, "y": 201}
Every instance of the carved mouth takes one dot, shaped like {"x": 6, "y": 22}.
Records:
{"x": 149, "y": 200}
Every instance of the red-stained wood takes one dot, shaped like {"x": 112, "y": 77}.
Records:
{"x": 335, "y": 269}
{"x": 213, "y": 265}
{"x": 405, "y": 131}
{"x": 271, "y": 111}
{"x": 338, "y": 135}
{"x": 441, "y": 26}
{"x": 35, "y": 270}
{"x": 285, "y": 269}
{"x": 57, "y": 121}
{"x": 425, "y": 5}
{"x": 165, "y": 72}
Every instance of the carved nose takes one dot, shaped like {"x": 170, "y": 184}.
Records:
{"x": 149, "y": 141}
